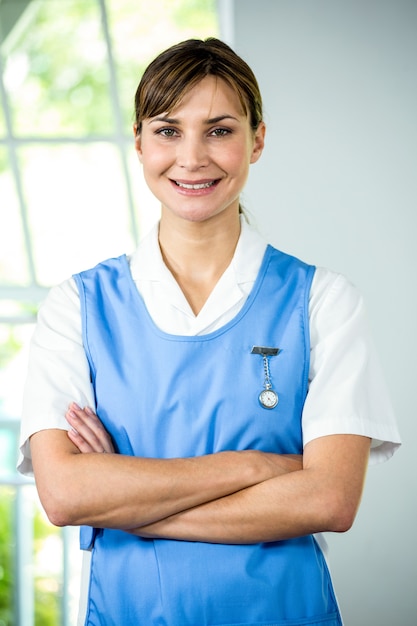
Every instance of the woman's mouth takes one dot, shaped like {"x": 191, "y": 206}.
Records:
{"x": 195, "y": 186}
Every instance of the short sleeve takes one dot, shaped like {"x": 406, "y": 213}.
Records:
{"x": 347, "y": 393}
{"x": 58, "y": 371}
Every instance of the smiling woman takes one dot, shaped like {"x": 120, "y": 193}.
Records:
{"x": 197, "y": 130}
{"x": 201, "y": 149}
{"x": 209, "y": 500}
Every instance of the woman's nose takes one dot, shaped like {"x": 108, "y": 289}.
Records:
{"x": 192, "y": 154}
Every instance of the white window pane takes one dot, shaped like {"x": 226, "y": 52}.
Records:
{"x": 77, "y": 207}
{"x": 14, "y": 344}
{"x": 13, "y": 266}
{"x": 2, "y": 123}
{"x": 148, "y": 208}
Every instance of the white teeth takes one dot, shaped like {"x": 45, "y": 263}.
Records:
{"x": 199, "y": 186}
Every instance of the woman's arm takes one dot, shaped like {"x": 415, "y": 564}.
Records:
{"x": 323, "y": 496}
{"x": 117, "y": 491}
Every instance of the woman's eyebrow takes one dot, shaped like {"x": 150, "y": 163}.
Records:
{"x": 166, "y": 120}
{"x": 220, "y": 118}
{"x": 212, "y": 120}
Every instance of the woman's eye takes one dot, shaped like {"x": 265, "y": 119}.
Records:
{"x": 166, "y": 132}
{"x": 220, "y": 132}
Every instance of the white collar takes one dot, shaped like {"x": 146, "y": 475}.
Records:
{"x": 166, "y": 302}
{"x": 146, "y": 263}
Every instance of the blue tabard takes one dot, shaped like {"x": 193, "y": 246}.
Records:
{"x": 163, "y": 395}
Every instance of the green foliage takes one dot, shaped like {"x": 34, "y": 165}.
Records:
{"x": 47, "y": 596}
{"x": 4, "y": 162}
{"x": 197, "y": 15}
{"x": 58, "y": 82}
{"x": 47, "y": 607}
{"x": 47, "y": 599}
{"x": 10, "y": 346}
{"x": 13, "y": 337}
{"x": 6, "y": 556}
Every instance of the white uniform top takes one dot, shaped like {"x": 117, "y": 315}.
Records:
{"x": 347, "y": 393}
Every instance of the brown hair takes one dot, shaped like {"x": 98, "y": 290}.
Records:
{"x": 179, "y": 68}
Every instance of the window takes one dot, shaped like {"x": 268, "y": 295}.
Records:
{"x": 71, "y": 194}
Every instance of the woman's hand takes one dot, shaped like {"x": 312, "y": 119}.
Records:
{"x": 87, "y": 432}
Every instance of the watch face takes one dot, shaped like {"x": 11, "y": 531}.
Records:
{"x": 268, "y": 398}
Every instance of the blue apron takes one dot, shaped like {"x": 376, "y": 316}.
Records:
{"x": 162, "y": 395}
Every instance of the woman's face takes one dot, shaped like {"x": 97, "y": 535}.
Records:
{"x": 196, "y": 157}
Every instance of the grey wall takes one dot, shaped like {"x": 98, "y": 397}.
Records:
{"x": 337, "y": 186}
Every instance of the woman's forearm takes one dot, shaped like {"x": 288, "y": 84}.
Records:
{"x": 277, "y": 509}
{"x": 324, "y": 496}
{"x": 117, "y": 491}
{"x": 228, "y": 497}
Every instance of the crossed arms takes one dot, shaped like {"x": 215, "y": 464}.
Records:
{"x": 229, "y": 497}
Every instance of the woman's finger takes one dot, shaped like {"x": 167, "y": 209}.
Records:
{"x": 79, "y": 441}
{"x": 89, "y": 429}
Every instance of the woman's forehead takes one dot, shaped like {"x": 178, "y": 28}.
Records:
{"x": 211, "y": 94}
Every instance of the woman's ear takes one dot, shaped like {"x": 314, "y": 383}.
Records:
{"x": 258, "y": 143}
{"x": 138, "y": 143}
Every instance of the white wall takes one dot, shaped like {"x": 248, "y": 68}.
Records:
{"x": 337, "y": 186}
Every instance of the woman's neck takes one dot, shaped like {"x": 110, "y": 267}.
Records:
{"x": 198, "y": 253}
